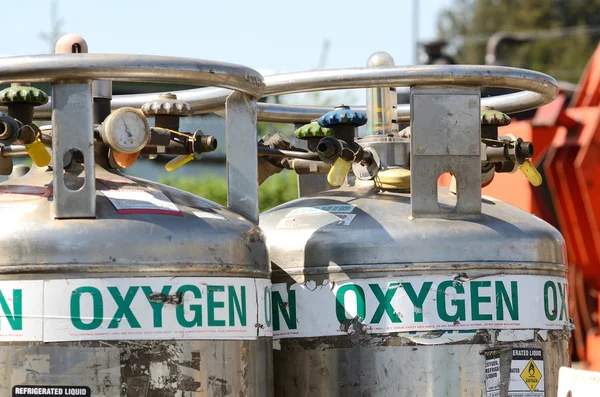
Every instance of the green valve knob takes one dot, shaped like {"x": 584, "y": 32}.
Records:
{"x": 21, "y": 99}
{"x": 494, "y": 117}
{"x": 312, "y": 130}
{"x": 23, "y": 95}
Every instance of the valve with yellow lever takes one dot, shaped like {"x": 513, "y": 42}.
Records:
{"x": 339, "y": 149}
{"x": 17, "y": 127}
{"x": 167, "y": 111}
{"x": 38, "y": 152}
{"x": 507, "y": 153}
{"x": 196, "y": 145}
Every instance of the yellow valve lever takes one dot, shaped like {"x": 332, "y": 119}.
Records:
{"x": 337, "y": 173}
{"x": 532, "y": 174}
{"x": 178, "y": 162}
{"x": 38, "y": 153}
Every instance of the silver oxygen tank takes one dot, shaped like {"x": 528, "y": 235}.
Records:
{"x": 383, "y": 288}
{"x": 114, "y": 286}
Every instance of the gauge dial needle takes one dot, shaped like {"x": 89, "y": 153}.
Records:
{"x": 127, "y": 129}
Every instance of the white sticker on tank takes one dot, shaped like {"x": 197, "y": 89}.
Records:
{"x": 322, "y": 209}
{"x": 419, "y": 303}
{"x": 576, "y": 382}
{"x": 136, "y": 201}
{"x": 492, "y": 376}
{"x": 21, "y": 310}
{"x": 346, "y": 219}
{"x": 208, "y": 215}
{"x": 336, "y": 214}
{"x": 154, "y": 308}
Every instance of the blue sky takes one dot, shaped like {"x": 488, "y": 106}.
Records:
{"x": 263, "y": 34}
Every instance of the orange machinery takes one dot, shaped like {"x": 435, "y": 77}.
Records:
{"x": 566, "y": 138}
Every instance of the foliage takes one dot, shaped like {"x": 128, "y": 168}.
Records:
{"x": 469, "y": 23}
{"x": 278, "y": 189}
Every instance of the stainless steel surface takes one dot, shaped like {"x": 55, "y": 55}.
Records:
{"x": 361, "y": 234}
{"x": 384, "y": 241}
{"x": 102, "y": 89}
{"x": 72, "y": 129}
{"x": 298, "y": 114}
{"x": 312, "y": 183}
{"x": 142, "y": 68}
{"x": 395, "y": 366}
{"x": 18, "y": 171}
{"x": 366, "y": 171}
{"x": 309, "y": 183}
{"x": 393, "y": 151}
{"x": 165, "y": 368}
{"x": 303, "y": 167}
{"x": 241, "y": 154}
{"x": 539, "y": 88}
{"x": 383, "y": 238}
{"x": 543, "y": 87}
{"x": 124, "y": 245}
{"x": 142, "y": 230}
{"x": 445, "y": 137}
{"x": 266, "y": 151}
{"x": 13, "y": 151}
{"x": 78, "y": 67}
{"x": 216, "y": 243}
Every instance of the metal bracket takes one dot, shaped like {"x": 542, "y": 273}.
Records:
{"x": 309, "y": 183}
{"x": 445, "y": 137}
{"x": 72, "y": 128}
{"x": 241, "y": 155}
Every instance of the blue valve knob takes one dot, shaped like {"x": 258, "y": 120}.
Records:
{"x": 342, "y": 115}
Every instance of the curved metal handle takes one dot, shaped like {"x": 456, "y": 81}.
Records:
{"x": 71, "y": 76}
{"x": 141, "y": 68}
{"x": 538, "y": 88}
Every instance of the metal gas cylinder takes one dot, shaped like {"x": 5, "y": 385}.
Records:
{"x": 115, "y": 286}
{"x": 395, "y": 289}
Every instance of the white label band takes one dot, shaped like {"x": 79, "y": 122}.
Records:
{"x": 242, "y": 308}
{"x": 419, "y": 303}
{"x": 155, "y": 308}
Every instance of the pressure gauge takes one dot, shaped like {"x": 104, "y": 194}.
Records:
{"x": 126, "y": 130}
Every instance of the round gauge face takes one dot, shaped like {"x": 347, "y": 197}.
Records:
{"x": 127, "y": 130}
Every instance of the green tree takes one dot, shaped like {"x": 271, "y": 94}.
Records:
{"x": 278, "y": 189}
{"x": 469, "y": 23}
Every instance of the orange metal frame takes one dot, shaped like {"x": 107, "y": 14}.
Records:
{"x": 567, "y": 152}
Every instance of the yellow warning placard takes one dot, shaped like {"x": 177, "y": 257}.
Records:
{"x": 531, "y": 375}
{"x": 527, "y": 373}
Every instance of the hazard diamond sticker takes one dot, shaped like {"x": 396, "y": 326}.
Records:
{"x": 527, "y": 373}
{"x": 531, "y": 375}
